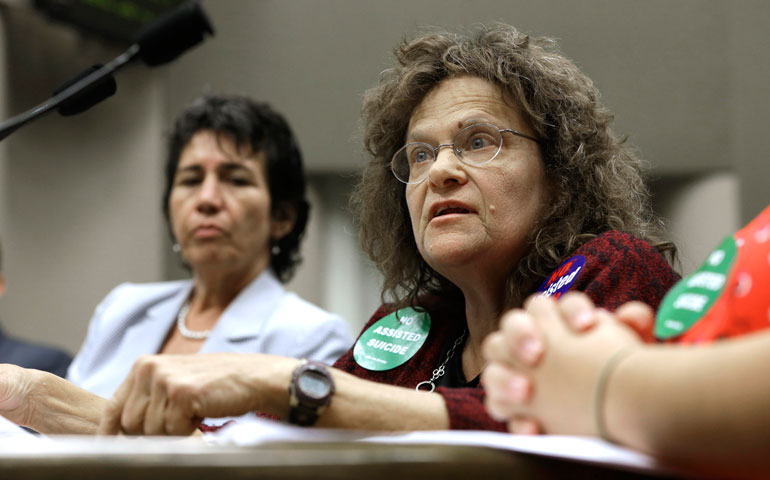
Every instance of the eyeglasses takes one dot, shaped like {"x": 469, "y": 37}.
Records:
{"x": 474, "y": 145}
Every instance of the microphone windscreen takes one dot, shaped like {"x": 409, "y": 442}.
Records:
{"x": 88, "y": 97}
{"x": 173, "y": 33}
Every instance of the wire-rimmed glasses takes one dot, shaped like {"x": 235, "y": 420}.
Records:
{"x": 474, "y": 145}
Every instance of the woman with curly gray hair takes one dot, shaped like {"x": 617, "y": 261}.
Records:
{"x": 493, "y": 170}
{"x": 594, "y": 180}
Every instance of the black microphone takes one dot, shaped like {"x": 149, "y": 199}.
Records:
{"x": 89, "y": 96}
{"x": 173, "y": 33}
{"x": 162, "y": 41}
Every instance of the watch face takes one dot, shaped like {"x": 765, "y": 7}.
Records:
{"x": 313, "y": 384}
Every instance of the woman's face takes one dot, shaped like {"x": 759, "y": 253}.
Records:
{"x": 476, "y": 217}
{"x": 220, "y": 206}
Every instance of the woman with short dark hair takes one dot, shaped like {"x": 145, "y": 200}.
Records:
{"x": 235, "y": 204}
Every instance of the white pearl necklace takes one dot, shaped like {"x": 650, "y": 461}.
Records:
{"x": 186, "y": 332}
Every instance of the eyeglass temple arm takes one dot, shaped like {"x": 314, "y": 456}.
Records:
{"x": 520, "y": 134}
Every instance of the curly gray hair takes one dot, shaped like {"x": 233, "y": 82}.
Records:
{"x": 597, "y": 173}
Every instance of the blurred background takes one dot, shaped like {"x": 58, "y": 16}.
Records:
{"x": 80, "y": 197}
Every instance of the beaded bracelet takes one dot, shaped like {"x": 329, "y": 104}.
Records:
{"x": 601, "y": 388}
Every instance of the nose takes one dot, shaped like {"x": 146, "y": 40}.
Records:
{"x": 210, "y": 195}
{"x": 446, "y": 169}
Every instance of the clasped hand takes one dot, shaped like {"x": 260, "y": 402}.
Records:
{"x": 545, "y": 362}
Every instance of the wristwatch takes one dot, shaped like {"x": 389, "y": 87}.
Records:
{"x": 310, "y": 392}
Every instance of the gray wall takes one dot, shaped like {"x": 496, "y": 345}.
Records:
{"x": 79, "y": 197}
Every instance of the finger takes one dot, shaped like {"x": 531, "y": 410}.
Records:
{"x": 132, "y": 418}
{"x": 578, "y": 311}
{"x": 640, "y": 317}
{"x": 110, "y": 423}
{"x": 522, "y": 338}
{"x": 180, "y": 416}
{"x": 545, "y": 312}
{"x": 154, "y": 417}
{"x": 495, "y": 349}
{"x": 524, "y": 426}
{"x": 502, "y": 382}
{"x": 507, "y": 391}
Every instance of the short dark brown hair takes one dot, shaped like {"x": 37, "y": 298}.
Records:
{"x": 596, "y": 173}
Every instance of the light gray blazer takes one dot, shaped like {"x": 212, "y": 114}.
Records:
{"x": 135, "y": 319}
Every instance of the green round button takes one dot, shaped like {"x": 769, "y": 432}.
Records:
{"x": 392, "y": 340}
{"x": 692, "y": 297}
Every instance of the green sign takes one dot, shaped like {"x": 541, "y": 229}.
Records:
{"x": 392, "y": 340}
{"x": 692, "y": 297}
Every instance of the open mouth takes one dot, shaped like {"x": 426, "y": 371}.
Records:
{"x": 450, "y": 210}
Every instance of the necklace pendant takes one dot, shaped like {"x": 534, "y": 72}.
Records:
{"x": 439, "y": 372}
{"x": 428, "y": 383}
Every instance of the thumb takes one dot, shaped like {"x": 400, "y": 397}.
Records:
{"x": 638, "y": 316}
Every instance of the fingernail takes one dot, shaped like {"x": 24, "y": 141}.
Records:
{"x": 517, "y": 388}
{"x": 531, "y": 349}
{"x": 583, "y": 319}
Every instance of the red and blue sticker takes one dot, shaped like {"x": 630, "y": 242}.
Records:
{"x": 562, "y": 279}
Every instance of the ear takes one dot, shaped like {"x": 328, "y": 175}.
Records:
{"x": 282, "y": 220}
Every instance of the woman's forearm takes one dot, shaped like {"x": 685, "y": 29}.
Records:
{"x": 169, "y": 394}
{"x": 47, "y": 403}
{"x": 365, "y": 405}
{"x": 704, "y": 404}
{"x": 356, "y": 403}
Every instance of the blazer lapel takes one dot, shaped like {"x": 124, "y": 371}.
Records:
{"x": 148, "y": 336}
{"x": 242, "y": 322}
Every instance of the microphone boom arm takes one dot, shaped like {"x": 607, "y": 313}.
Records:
{"x": 160, "y": 42}
{"x": 12, "y": 124}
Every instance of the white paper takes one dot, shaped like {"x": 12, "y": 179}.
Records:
{"x": 259, "y": 431}
{"x": 582, "y": 449}
{"x": 8, "y": 429}
{"x": 90, "y": 446}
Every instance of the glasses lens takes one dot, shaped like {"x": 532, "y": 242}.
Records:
{"x": 478, "y": 143}
{"x": 411, "y": 163}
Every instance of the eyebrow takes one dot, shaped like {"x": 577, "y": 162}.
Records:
{"x": 230, "y": 166}
{"x": 188, "y": 168}
{"x": 227, "y": 166}
{"x": 474, "y": 120}
{"x": 417, "y": 134}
